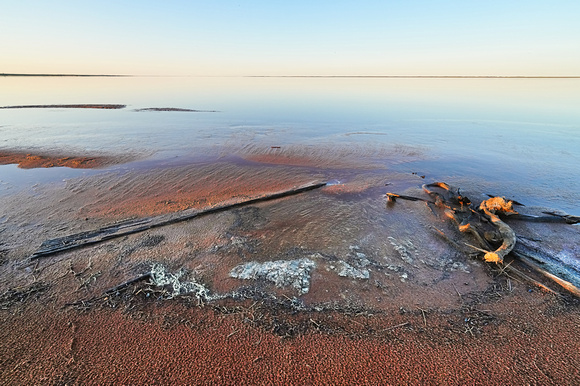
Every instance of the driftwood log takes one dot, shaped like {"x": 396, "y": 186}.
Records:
{"x": 472, "y": 220}
{"x": 78, "y": 240}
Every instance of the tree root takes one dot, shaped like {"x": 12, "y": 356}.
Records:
{"x": 498, "y": 204}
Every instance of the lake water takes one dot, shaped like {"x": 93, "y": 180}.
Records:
{"x": 514, "y": 137}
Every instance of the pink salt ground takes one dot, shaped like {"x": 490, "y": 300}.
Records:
{"x": 174, "y": 344}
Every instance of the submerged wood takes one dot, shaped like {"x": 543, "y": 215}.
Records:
{"x": 569, "y": 219}
{"x": 561, "y": 282}
{"x": 552, "y": 217}
{"x": 392, "y": 197}
{"x": 52, "y": 246}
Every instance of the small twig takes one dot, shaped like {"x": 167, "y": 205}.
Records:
{"x": 446, "y": 238}
{"x": 424, "y": 318}
{"x": 290, "y": 300}
{"x": 396, "y": 326}
{"x": 476, "y": 248}
{"x": 469, "y": 329}
{"x": 128, "y": 283}
{"x": 533, "y": 281}
{"x": 457, "y": 291}
{"x": 502, "y": 269}
{"x": 477, "y": 236}
{"x": 232, "y": 333}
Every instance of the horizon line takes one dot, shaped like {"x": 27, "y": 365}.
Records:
{"x": 416, "y": 76}
{"x": 308, "y": 76}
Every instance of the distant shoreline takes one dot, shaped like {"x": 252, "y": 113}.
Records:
{"x": 308, "y": 76}
{"x": 417, "y": 76}
{"x": 66, "y": 75}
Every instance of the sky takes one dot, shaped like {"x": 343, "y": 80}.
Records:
{"x": 271, "y": 37}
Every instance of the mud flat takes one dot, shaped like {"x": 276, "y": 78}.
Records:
{"x": 326, "y": 286}
{"x": 77, "y": 106}
{"x": 105, "y": 107}
{"x": 28, "y": 160}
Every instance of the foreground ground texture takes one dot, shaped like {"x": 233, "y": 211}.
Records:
{"x": 331, "y": 286}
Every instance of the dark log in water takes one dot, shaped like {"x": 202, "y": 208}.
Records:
{"x": 50, "y": 247}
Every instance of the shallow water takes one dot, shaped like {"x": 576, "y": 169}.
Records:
{"x": 513, "y": 137}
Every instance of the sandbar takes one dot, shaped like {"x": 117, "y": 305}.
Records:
{"x": 77, "y": 106}
{"x": 26, "y": 160}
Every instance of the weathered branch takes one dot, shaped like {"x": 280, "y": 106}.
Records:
{"x": 458, "y": 208}
{"x": 563, "y": 283}
{"x": 489, "y": 207}
{"x": 50, "y": 247}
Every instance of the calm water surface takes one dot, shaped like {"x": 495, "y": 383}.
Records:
{"x": 513, "y": 137}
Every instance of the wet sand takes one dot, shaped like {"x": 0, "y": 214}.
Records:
{"x": 424, "y": 314}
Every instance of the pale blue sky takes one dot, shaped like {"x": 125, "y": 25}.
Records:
{"x": 272, "y": 37}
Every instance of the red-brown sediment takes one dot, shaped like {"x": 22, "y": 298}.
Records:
{"x": 175, "y": 344}
{"x": 323, "y": 156}
{"x": 346, "y": 188}
{"x": 276, "y": 159}
{"x": 31, "y": 161}
{"x": 163, "y": 191}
